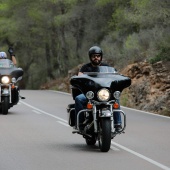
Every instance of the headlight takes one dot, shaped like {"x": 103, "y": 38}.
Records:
{"x": 117, "y": 94}
{"x": 89, "y": 95}
{"x": 103, "y": 95}
{"x": 5, "y": 80}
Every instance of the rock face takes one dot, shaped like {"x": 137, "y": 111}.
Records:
{"x": 150, "y": 89}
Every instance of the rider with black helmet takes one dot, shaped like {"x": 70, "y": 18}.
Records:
{"x": 95, "y": 55}
{"x": 95, "y": 51}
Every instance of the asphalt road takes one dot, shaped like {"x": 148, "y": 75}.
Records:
{"x": 35, "y": 136}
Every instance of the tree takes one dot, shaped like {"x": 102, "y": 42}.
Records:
{"x": 50, "y": 37}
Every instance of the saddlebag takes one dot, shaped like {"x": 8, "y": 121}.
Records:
{"x": 71, "y": 114}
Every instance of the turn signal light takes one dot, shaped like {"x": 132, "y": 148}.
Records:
{"x": 89, "y": 106}
{"x": 13, "y": 86}
{"x": 116, "y": 105}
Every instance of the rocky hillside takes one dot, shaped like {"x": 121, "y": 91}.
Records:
{"x": 150, "y": 88}
{"x": 149, "y": 91}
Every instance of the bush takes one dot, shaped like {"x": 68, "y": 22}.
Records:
{"x": 163, "y": 55}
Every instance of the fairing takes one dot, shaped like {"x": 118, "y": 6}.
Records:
{"x": 8, "y": 68}
{"x": 104, "y": 77}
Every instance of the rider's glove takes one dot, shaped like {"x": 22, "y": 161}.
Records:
{"x": 11, "y": 52}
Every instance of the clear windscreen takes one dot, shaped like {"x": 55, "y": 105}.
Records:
{"x": 6, "y": 63}
{"x": 102, "y": 70}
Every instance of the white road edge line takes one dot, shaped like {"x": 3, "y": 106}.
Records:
{"x": 35, "y": 111}
{"x": 141, "y": 156}
{"x": 113, "y": 143}
{"x": 114, "y": 148}
{"x": 56, "y": 117}
{"x": 63, "y": 123}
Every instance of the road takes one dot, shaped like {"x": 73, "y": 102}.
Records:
{"x": 35, "y": 136}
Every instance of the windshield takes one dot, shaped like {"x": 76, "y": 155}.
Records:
{"x": 6, "y": 63}
{"x": 102, "y": 70}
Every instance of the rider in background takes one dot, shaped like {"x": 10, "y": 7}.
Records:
{"x": 95, "y": 56}
{"x": 3, "y": 55}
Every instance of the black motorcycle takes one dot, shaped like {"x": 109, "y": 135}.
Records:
{"x": 9, "y": 76}
{"x": 102, "y": 90}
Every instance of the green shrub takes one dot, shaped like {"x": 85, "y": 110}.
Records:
{"x": 163, "y": 55}
{"x": 124, "y": 101}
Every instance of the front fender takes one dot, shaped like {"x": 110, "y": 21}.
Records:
{"x": 105, "y": 113}
{"x": 5, "y": 92}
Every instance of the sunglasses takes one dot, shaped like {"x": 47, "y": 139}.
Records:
{"x": 95, "y": 55}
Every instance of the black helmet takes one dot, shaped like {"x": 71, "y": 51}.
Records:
{"x": 95, "y": 50}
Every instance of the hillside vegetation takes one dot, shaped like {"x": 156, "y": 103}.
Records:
{"x": 52, "y": 36}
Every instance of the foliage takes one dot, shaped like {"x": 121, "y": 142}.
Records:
{"x": 163, "y": 55}
{"x": 50, "y": 37}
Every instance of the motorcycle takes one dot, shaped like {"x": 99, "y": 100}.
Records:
{"x": 9, "y": 92}
{"x": 102, "y": 90}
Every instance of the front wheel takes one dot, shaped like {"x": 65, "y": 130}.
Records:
{"x": 104, "y": 134}
{"x": 5, "y": 105}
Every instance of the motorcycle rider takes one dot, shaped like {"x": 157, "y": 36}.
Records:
{"x": 3, "y": 55}
{"x": 95, "y": 55}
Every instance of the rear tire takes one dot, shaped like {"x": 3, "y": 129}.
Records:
{"x": 90, "y": 141}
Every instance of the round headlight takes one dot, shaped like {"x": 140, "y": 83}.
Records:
{"x": 117, "y": 94}
{"x": 89, "y": 95}
{"x": 5, "y": 80}
{"x": 103, "y": 95}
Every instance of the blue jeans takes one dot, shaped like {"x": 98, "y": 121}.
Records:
{"x": 80, "y": 103}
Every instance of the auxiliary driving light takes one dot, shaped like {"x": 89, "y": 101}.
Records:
{"x": 89, "y": 95}
{"x": 117, "y": 94}
{"x": 13, "y": 80}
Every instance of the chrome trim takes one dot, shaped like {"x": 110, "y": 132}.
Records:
{"x": 94, "y": 119}
{"x": 80, "y": 112}
{"x": 105, "y": 113}
{"x": 124, "y": 115}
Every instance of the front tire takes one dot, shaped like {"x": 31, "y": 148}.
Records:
{"x": 104, "y": 134}
{"x": 5, "y": 105}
